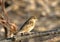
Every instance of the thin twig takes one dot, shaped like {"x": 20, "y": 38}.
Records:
{"x": 4, "y": 10}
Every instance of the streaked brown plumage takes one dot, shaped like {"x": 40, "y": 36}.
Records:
{"x": 28, "y": 25}
{"x": 12, "y": 30}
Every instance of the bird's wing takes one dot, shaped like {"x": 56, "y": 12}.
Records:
{"x": 24, "y": 24}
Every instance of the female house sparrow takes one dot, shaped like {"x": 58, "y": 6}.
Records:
{"x": 26, "y": 28}
{"x": 9, "y": 32}
{"x": 28, "y": 25}
{"x": 13, "y": 29}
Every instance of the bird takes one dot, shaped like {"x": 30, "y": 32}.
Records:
{"x": 29, "y": 25}
{"x": 13, "y": 29}
{"x": 9, "y": 32}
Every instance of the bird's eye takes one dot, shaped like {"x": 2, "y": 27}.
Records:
{"x": 34, "y": 17}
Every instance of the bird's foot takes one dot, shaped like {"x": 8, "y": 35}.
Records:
{"x": 10, "y": 36}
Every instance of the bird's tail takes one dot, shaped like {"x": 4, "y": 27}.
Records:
{"x": 18, "y": 33}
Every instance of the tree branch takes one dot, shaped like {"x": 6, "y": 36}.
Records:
{"x": 50, "y": 34}
{"x": 38, "y": 34}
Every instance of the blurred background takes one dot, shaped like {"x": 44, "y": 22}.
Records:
{"x": 47, "y": 11}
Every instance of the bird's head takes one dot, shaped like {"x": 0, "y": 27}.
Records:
{"x": 34, "y": 18}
